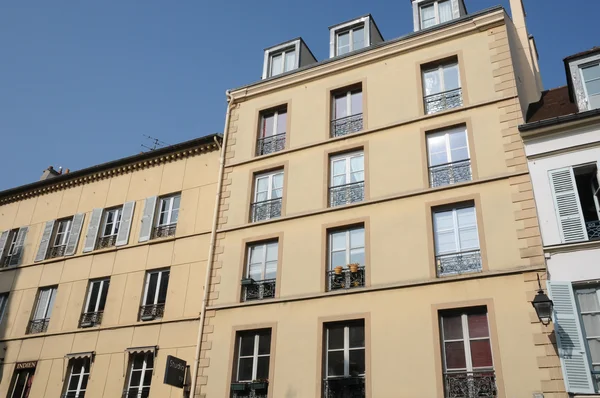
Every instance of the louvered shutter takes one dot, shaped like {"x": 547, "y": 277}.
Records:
{"x": 3, "y": 240}
{"x": 45, "y": 242}
{"x": 18, "y": 253}
{"x": 92, "y": 231}
{"x": 148, "y": 219}
{"x": 571, "y": 346}
{"x": 567, "y": 205}
{"x": 76, "y": 226}
{"x": 125, "y": 226}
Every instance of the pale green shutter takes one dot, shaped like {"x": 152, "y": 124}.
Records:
{"x": 125, "y": 226}
{"x": 3, "y": 240}
{"x": 43, "y": 249}
{"x": 92, "y": 231}
{"x": 567, "y": 205}
{"x": 148, "y": 219}
{"x": 569, "y": 338}
{"x": 76, "y": 226}
{"x": 16, "y": 257}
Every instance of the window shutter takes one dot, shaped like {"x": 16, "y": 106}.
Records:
{"x": 43, "y": 249}
{"x": 567, "y": 205}
{"x": 571, "y": 346}
{"x": 148, "y": 219}
{"x": 74, "y": 235}
{"x": 16, "y": 257}
{"x": 92, "y": 231}
{"x": 3, "y": 239}
{"x": 125, "y": 227}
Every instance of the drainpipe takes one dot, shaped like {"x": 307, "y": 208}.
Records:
{"x": 213, "y": 238}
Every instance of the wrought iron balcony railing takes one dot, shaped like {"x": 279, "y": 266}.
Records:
{"x": 38, "y": 326}
{"x": 255, "y": 389}
{"x": 80, "y": 394}
{"x": 470, "y": 384}
{"x": 458, "y": 263}
{"x": 450, "y": 173}
{"x": 593, "y": 230}
{"x": 344, "y": 387}
{"x": 56, "y": 251}
{"x": 89, "y": 319}
{"x": 258, "y": 290}
{"x": 347, "y": 193}
{"x": 164, "y": 231}
{"x": 135, "y": 392}
{"x": 271, "y": 144}
{"x": 266, "y": 210}
{"x": 5, "y": 261}
{"x": 443, "y": 101}
{"x": 152, "y": 311}
{"x": 105, "y": 242}
{"x": 346, "y": 279}
{"x": 346, "y": 125}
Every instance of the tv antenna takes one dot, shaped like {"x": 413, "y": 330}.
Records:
{"x": 155, "y": 143}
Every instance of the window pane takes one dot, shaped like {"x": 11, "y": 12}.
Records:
{"x": 245, "y": 369}
{"x": 247, "y": 345}
{"x": 358, "y": 38}
{"x": 357, "y": 163}
{"x": 339, "y": 167}
{"x": 343, "y": 43}
{"x": 74, "y": 380}
{"x": 338, "y": 240}
{"x": 452, "y": 327}
{"x": 445, "y": 242}
{"x": 357, "y": 256}
{"x": 445, "y": 10}
{"x": 262, "y": 368}
{"x": 436, "y": 146}
{"x": 427, "y": 16}
{"x": 357, "y": 336}
{"x": 282, "y": 122}
{"x": 257, "y": 254}
{"x": 84, "y": 383}
{"x": 591, "y": 324}
{"x": 357, "y": 238}
{"x": 458, "y": 138}
{"x": 337, "y": 259}
{"x": 357, "y": 362}
{"x": 455, "y": 355}
{"x": 588, "y": 300}
{"x": 451, "y": 77}
{"x": 276, "y": 64}
{"x": 340, "y": 107}
{"x": 335, "y": 363}
{"x": 594, "y": 350}
{"x": 591, "y": 72}
{"x": 431, "y": 82}
{"x": 593, "y": 87}
{"x": 478, "y": 325}
{"x": 103, "y": 296}
{"x": 336, "y": 337}
{"x": 147, "y": 377}
{"x": 468, "y": 239}
{"x": 151, "y": 288}
{"x": 356, "y": 103}
{"x": 481, "y": 353}
{"x": 271, "y": 270}
{"x": 264, "y": 343}
{"x": 93, "y": 296}
{"x": 459, "y": 154}
{"x": 272, "y": 251}
{"x": 443, "y": 220}
{"x": 290, "y": 60}
{"x": 466, "y": 217}
{"x": 278, "y": 181}
{"x": 138, "y": 361}
{"x": 268, "y": 124}
{"x": 164, "y": 283}
{"x": 136, "y": 377}
{"x": 149, "y": 360}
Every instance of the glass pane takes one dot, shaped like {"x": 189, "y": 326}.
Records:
{"x": 257, "y": 254}
{"x": 451, "y": 77}
{"x": 149, "y": 358}
{"x": 443, "y": 220}
{"x": 93, "y": 297}
{"x": 147, "y": 377}
{"x": 445, "y": 242}
{"x": 338, "y": 240}
{"x": 357, "y": 362}
{"x": 336, "y": 337}
{"x": 593, "y": 87}
{"x": 262, "y": 368}
{"x": 431, "y": 81}
{"x": 290, "y": 60}
{"x": 276, "y": 64}
{"x": 357, "y": 256}
{"x": 339, "y": 180}
{"x": 356, "y": 103}
{"x": 594, "y": 350}
{"x": 339, "y": 167}
{"x": 459, "y": 154}
{"x": 358, "y": 176}
{"x": 445, "y": 10}
{"x": 468, "y": 238}
{"x": 74, "y": 380}
{"x": 455, "y": 355}
{"x": 452, "y": 327}
{"x": 340, "y": 107}
{"x": 103, "y": 296}
{"x": 358, "y": 38}
{"x": 588, "y": 300}
{"x": 436, "y": 143}
{"x": 51, "y": 304}
{"x": 84, "y": 383}
{"x": 338, "y": 258}
{"x": 357, "y": 336}
{"x": 176, "y": 202}
{"x": 255, "y": 272}
{"x": 151, "y": 288}
{"x": 268, "y": 124}
{"x": 357, "y": 163}
{"x": 264, "y": 343}
{"x": 466, "y": 217}
{"x": 478, "y": 325}
{"x": 138, "y": 361}
{"x": 591, "y": 324}
{"x": 271, "y": 270}
{"x": 278, "y": 181}
{"x": 164, "y": 284}
{"x": 427, "y": 16}
{"x": 282, "y": 122}
{"x": 247, "y": 345}
{"x": 335, "y": 363}
{"x": 357, "y": 238}
{"x": 481, "y": 353}
{"x": 457, "y": 138}
{"x": 136, "y": 378}
{"x": 438, "y": 158}
{"x": 245, "y": 369}
{"x": 272, "y": 251}
{"x": 343, "y": 43}
{"x": 591, "y": 72}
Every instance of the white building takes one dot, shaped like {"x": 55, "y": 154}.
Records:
{"x": 562, "y": 145}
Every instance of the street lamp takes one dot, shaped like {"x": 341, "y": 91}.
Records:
{"x": 543, "y": 305}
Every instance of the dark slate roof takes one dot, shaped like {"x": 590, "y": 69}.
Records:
{"x": 553, "y": 103}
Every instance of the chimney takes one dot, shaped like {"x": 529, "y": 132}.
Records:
{"x": 49, "y": 173}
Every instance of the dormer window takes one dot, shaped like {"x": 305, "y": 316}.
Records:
{"x": 590, "y": 75}
{"x": 435, "y": 13}
{"x": 350, "y": 40}
{"x": 286, "y": 57}
{"x": 283, "y": 61}
{"x": 353, "y": 35}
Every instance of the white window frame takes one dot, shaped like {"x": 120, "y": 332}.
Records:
{"x": 436, "y": 11}
{"x": 80, "y": 375}
{"x": 446, "y": 134}
{"x": 275, "y": 114}
{"x": 102, "y": 282}
{"x": 263, "y": 266}
{"x": 439, "y": 68}
{"x": 47, "y": 305}
{"x": 283, "y": 53}
{"x": 255, "y": 355}
{"x": 586, "y": 338}
{"x": 466, "y": 340}
{"x": 347, "y": 249}
{"x": 145, "y": 368}
{"x": 170, "y": 209}
{"x": 348, "y": 94}
{"x": 351, "y": 33}
{"x": 583, "y": 82}
{"x": 270, "y": 187}
{"x": 61, "y": 238}
{"x": 13, "y": 242}
{"x": 346, "y": 349}
{"x": 160, "y": 273}
{"x": 29, "y": 374}
{"x": 347, "y": 157}
{"x": 3, "y": 304}
{"x": 456, "y": 229}
{"x": 118, "y": 211}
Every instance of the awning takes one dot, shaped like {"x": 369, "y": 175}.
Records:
{"x": 140, "y": 350}
{"x": 81, "y": 355}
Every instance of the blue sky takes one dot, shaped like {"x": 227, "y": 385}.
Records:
{"x": 81, "y": 82}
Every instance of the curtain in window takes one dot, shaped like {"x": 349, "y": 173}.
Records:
{"x": 431, "y": 81}
{"x": 445, "y": 10}
{"x": 427, "y": 16}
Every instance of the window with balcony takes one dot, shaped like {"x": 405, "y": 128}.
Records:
{"x": 576, "y": 194}
{"x": 155, "y": 295}
{"x": 456, "y": 240}
{"x": 344, "y": 368}
{"x": 449, "y": 160}
{"x": 11, "y": 247}
{"x": 282, "y": 61}
{"x": 251, "y": 364}
{"x": 141, "y": 367}
{"x": 3, "y": 304}
{"x": 94, "y": 304}
{"x": 111, "y": 221}
{"x": 268, "y": 193}
{"x": 168, "y": 214}
{"x": 42, "y": 310}
{"x": 467, "y": 354}
{"x": 60, "y": 238}
{"x": 261, "y": 271}
{"x": 588, "y": 305}
{"x": 347, "y": 178}
{"x": 346, "y": 258}
{"x": 20, "y": 386}
{"x": 347, "y": 111}
{"x": 272, "y": 131}
{"x": 350, "y": 39}
{"x": 441, "y": 87}
{"x": 76, "y": 383}
{"x": 590, "y": 75}
{"x": 435, "y": 13}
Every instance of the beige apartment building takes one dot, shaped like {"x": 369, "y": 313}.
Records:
{"x": 377, "y": 235}
{"x": 102, "y": 273}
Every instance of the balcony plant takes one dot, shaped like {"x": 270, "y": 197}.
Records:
{"x": 239, "y": 386}
{"x": 259, "y": 384}
{"x": 338, "y": 270}
{"x": 353, "y": 267}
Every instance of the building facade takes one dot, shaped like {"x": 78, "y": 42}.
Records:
{"x": 562, "y": 143}
{"x": 377, "y": 234}
{"x": 102, "y": 273}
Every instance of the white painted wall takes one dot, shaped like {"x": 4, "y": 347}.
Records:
{"x": 575, "y": 266}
